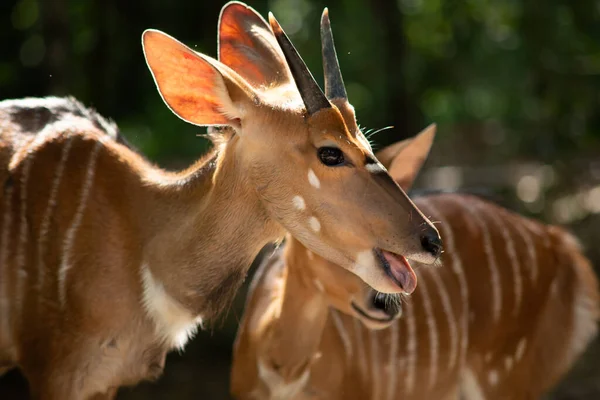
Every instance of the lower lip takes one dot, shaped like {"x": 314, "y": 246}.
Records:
{"x": 364, "y": 314}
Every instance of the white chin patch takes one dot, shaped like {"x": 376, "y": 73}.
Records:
{"x": 365, "y": 260}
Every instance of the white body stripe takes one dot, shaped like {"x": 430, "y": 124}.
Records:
{"x": 525, "y": 235}
{"x": 360, "y": 347}
{"x": 434, "y": 340}
{"x": 462, "y": 280}
{"x": 521, "y": 346}
{"x": 45, "y": 224}
{"x": 489, "y": 251}
{"x": 411, "y": 348}
{"x": 375, "y": 371}
{"x": 393, "y": 362}
{"x": 341, "y": 329}
{"x": 450, "y": 319}
{"x": 65, "y": 264}
{"x": 514, "y": 260}
{"x": 21, "y": 271}
{"x": 5, "y": 311}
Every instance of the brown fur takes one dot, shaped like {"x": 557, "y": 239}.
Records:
{"x": 115, "y": 262}
{"x": 558, "y": 317}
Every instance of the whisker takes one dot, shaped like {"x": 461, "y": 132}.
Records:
{"x": 370, "y": 134}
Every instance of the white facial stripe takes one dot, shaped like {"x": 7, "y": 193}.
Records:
{"x": 375, "y": 168}
{"x": 299, "y": 203}
{"x": 313, "y": 180}
{"x": 314, "y": 223}
{"x": 319, "y": 285}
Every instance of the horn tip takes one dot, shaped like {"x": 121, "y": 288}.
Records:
{"x": 325, "y": 16}
{"x": 274, "y": 24}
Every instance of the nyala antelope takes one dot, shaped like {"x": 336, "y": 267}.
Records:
{"x": 513, "y": 306}
{"x": 107, "y": 262}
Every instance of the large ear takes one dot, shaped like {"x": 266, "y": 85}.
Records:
{"x": 247, "y": 45}
{"x": 404, "y": 159}
{"x": 197, "y": 88}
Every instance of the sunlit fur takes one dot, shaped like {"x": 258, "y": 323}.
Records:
{"x": 109, "y": 262}
{"x": 329, "y": 194}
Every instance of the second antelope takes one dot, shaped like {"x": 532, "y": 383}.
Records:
{"x": 108, "y": 262}
{"x": 513, "y": 306}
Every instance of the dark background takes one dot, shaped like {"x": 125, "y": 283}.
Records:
{"x": 514, "y": 87}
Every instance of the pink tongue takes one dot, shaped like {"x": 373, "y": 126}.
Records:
{"x": 402, "y": 271}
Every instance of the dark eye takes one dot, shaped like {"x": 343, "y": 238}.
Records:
{"x": 331, "y": 156}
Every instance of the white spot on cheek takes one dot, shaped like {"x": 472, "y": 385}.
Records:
{"x": 493, "y": 377}
{"x": 508, "y": 363}
{"x": 299, "y": 203}
{"x": 375, "y": 168}
{"x": 312, "y": 178}
{"x": 314, "y": 223}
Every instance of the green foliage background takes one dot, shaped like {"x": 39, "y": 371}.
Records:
{"x": 509, "y": 83}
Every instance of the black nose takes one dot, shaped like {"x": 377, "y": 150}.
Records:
{"x": 432, "y": 243}
{"x": 388, "y": 303}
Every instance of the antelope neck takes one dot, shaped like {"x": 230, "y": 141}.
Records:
{"x": 295, "y": 336}
{"x": 209, "y": 225}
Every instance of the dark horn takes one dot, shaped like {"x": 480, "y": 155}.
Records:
{"x": 313, "y": 97}
{"x": 334, "y": 83}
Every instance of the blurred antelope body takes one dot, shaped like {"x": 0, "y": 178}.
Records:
{"x": 513, "y": 306}
{"x": 107, "y": 262}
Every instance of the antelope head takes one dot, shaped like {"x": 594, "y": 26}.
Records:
{"x": 298, "y": 148}
{"x": 342, "y": 289}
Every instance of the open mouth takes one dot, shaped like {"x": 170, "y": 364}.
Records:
{"x": 370, "y": 317}
{"x": 398, "y": 269}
